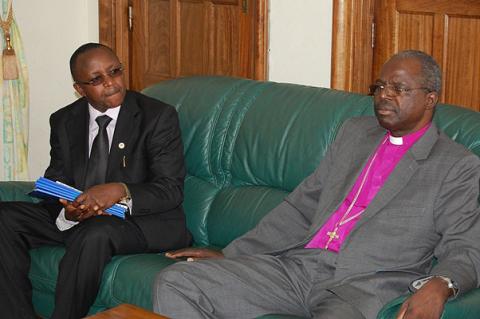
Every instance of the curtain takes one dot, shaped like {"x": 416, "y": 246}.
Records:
{"x": 14, "y": 119}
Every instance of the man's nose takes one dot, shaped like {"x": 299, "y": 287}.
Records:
{"x": 386, "y": 93}
{"x": 107, "y": 80}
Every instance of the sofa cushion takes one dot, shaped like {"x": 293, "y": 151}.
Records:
{"x": 462, "y": 125}
{"x": 198, "y": 205}
{"x": 286, "y": 132}
{"x": 16, "y": 191}
{"x": 206, "y": 120}
{"x": 129, "y": 279}
{"x": 236, "y": 210}
{"x": 126, "y": 279}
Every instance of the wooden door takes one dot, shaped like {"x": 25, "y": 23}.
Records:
{"x": 165, "y": 39}
{"x": 370, "y": 31}
{"x": 448, "y": 30}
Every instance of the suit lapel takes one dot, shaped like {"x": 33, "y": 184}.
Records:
{"x": 77, "y": 131}
{"x": 125, "y": 130}
{"x": 344, "y": 180}
{"x": 397, "y": 180}
{"x": 401, "y": 175}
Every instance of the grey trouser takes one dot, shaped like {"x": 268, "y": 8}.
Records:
{"x": 251, "y": 286}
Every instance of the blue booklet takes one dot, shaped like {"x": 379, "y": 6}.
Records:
{"x": 48, "y": 189}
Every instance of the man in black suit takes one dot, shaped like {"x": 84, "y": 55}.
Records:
{"x": 120, "y": 147}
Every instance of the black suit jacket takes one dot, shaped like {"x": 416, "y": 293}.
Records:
{"x": 146, "y": 154}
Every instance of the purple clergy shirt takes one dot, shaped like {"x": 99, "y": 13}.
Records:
{"x": 373, "y": 176}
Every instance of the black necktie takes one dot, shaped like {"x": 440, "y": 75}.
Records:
{"x": 97, "y": 163}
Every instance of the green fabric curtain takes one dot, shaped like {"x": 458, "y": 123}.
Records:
{"x": 14, "y": 118}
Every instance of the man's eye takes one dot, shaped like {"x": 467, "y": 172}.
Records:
{"x": 96, "y": 80}
{"x": 399, "y": 89}
{"x": 116, "y": 71}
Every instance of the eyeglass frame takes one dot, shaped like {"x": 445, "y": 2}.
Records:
{"x": 113, "y": 73}
{"x": 396, "y": 89}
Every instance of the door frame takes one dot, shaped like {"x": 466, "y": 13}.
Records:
{"x": 114, "y": 32}
{"x": 352, "y": 45}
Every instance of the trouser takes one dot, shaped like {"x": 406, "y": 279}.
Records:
{"x": 252, "y": 286}
{"x": 89, "y": 245}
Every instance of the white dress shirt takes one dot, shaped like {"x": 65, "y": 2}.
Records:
{"x": 61, "y": 222}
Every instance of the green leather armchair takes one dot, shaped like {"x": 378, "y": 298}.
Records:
{"x": 247, "y": 144}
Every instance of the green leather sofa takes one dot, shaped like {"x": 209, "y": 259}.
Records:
{"x": 247, "y": 144}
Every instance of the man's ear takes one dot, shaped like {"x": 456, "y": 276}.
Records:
{"x": 431, "y": 100}
{"x": 79, "y": 89}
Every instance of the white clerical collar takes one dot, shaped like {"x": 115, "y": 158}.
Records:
{"x": 395, "y": 140}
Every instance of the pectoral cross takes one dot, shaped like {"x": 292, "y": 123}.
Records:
{"x": 332, "y": 235}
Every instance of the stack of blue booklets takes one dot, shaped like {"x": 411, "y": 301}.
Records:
{"x": 46, "y": 188}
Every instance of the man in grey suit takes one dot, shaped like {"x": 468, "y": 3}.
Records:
{"x": 392, "y": 194}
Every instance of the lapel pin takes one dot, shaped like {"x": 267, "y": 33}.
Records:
{"x": 121, "y": 145}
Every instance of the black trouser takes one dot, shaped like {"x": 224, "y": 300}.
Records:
{"x": 89, "y": 245}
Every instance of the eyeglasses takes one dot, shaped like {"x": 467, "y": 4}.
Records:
{"x": 100, "y": 79}
{"x": 392, "y": 89}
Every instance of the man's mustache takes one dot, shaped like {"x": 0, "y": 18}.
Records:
{"x": 384, "y": 106}
{"x": 112, "y": 91}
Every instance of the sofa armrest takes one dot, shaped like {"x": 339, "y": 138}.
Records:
{"x": 16, "y": 191}
{"x": 466, "y": 307}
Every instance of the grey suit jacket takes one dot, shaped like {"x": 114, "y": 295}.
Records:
{"x": 427, "y": 208}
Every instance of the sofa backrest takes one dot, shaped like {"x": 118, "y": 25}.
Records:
{"x": 249, "y": 143}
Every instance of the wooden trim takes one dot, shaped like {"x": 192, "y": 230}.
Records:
{"x": 261, "y": 41}
{"x": 106, "y": 22}
{"x": 352, "y": 52}
{"x": 341, "y": 36}
{"x": 113, "y": 25}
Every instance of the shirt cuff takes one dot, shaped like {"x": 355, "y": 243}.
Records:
{"x": 127, "y": 200}
{"x": 129, "y": 203}
{"x": 63, "y": 223}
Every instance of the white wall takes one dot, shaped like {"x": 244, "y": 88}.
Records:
{"x": 300, "y": 41}
{"x": 51, "y": 30}
{"x": 300, "y": 50}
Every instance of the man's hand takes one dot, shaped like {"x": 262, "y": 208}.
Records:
{"x": 93, "y": 201}
{"x": 73, "y": 211}
{"x": 427, "y": 302}
{"x": 192, "y": 254}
